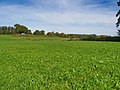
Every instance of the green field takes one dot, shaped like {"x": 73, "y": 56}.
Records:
{"x": 35, "y": 63}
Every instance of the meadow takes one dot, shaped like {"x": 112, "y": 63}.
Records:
{"x": 35, "y": 63}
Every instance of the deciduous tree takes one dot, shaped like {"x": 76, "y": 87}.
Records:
{"x": 20, "y": 29}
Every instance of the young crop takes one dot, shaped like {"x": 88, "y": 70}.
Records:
{"x": 58, "y": 65}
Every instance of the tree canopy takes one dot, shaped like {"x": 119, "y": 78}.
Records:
{"x": 118, "y": 15}
{"x": 118, "y": 21}
{"x": 20, "y": 29}
{"x": 17, "y": 29}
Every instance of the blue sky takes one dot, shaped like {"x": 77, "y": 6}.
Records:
{"x": 69, "y": 16}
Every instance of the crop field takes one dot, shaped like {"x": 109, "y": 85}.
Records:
{"x": 35, "y": 64}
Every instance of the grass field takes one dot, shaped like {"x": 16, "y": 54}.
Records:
{"x": 55, "y": 64}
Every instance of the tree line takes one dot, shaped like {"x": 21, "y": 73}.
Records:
{"x": 23, "y": 30}
{"x": 17, "y": 29}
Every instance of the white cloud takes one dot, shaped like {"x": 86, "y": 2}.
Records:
{"x": 69, "y": 13}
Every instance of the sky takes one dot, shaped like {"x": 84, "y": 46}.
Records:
{"x": 68, "y": 16}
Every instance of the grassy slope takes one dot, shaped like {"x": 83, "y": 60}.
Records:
{"x": 56, "y": 64}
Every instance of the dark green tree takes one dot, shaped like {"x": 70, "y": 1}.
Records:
{"x": 56, "y": 34}
{"x": 118, "y": 3}
{"x": 50, "y": 34}
{"x": 10, "y": 30}
{"x": 0, "y": 29}
{"x": 63, "y": 35}
{"x": 4, "y": 30}
{"x": 118, "y": 32}
{"x": 42, "y": 32}
{"x": 20, "y": 29}
{"x": 118, "y": 15}
{"x": 37, "y": 32}
{"x": 29, "y": 32}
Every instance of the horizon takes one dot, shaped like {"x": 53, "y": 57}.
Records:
{"x": 68, "y": 16}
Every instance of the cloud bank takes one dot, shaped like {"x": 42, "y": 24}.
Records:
{"x": 69, "y": 16}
